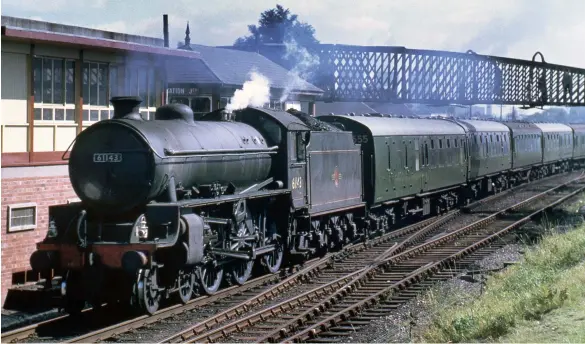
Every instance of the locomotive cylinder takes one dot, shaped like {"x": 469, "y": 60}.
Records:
{"x": 120, "y": 164}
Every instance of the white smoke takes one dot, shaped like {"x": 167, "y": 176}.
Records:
{"x": 254, "y": 92}
{"x": 302, "y": 69}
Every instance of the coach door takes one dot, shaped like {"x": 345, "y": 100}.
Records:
{"x": 297, "y": 143}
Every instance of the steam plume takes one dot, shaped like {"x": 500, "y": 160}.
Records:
{"x": 254, "y": 92}
{"x": 303, "y": 67}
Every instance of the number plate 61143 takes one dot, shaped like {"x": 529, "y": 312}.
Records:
{"x": 107, "y": 157}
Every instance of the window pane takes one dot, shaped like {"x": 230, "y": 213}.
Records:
{"x": 22, "y": 216}
{"x": 104, "y": 114}
{"x": 38, "y": 79}
{"x": 93, "y": 84}
{"x": 47, "y": 114}
{"x": 201, "y": 104}
{"x": 113, "y": 81}
{"x": 143, "y": 87}
{"x": 59, "y": 114}
{"x": 94, "y": 115}
{"x": 132, "y": 82}
{"x": 70, "y": 114}
{"x": 47, "y": 81}
{"x": 85, "y": 84}
{"x": 103, "y": 83}
{"x": 151, "y": 88}
{"x": 38, "y": 114}
{"x": 179, "y": 100}
{"x": 85, "y": 115}
{"x": 70, "y": 82}
{"x": 58, "y": 86}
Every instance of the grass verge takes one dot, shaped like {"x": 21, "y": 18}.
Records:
{"x": 551, "y": 275}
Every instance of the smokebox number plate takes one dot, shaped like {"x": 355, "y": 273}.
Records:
{"x": 107, "y": 157}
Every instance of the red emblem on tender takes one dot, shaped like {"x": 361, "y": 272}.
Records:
{"x": 336, "y": 176}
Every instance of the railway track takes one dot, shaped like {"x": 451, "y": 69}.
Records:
{"x": 380, "y": 287}
{"x": 318, "y": 277}
{"x": 253, "y": 293}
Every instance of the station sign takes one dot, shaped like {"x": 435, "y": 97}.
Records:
{"x": 183, "y": 91}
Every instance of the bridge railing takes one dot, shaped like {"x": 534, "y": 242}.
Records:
{"x": 401, "y": 75}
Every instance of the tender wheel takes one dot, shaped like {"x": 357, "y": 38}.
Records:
{"x": 147, "y": 291}
{"x": 273, "y": 260}
{"x": 210, "y": 278}
{"x": 186, "y": 280}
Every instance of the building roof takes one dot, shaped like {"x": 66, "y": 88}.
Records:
{"x": 232, "y": 67}
{"x": 39, "y": 31}
{"x": 341, "y": 108}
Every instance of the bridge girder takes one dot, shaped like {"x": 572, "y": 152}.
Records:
{"x": 401, "y": 75}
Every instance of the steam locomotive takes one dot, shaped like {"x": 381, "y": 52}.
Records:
{"x": 173, "y": 207}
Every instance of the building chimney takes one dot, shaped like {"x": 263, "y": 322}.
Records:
{"x": 166, "y": 29}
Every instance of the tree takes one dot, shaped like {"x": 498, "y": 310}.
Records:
{"x": 278, "y": 25}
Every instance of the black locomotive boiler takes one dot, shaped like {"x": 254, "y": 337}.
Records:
{"x": 174, "y": 207}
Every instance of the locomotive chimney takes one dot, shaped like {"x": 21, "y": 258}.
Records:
{"x": 126, "y": 107}
{"x": 166, "y": 29}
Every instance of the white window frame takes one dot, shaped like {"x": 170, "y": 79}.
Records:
{"x": 295, "y": 104}
{"x": 11, "y": 228}
{"x": 38, "y": 100}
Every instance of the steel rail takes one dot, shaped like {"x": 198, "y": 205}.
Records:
{"x": 417, "y": 275}
{"x": 351, "y": 286}
{"x": 313, "y": 268}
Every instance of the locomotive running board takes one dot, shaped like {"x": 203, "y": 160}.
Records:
{"x": 230, "y": 198}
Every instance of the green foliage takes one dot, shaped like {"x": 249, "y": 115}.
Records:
{"x": 549, "y": 275}
{"x": 278, "y": 25}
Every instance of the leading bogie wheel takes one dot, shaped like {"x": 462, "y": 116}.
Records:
{"x": 147, "y": 291}
{"x": 73, "y": 302}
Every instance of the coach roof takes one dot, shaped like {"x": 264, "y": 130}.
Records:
{"x": 484, "y": 126}
{"x": 385, "y": 126}
{"x": 553, "y": 127}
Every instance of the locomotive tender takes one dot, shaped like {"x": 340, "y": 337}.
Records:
{"x": 174, "y": 206}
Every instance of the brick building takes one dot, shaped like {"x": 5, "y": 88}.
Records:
{"x": 56, "y": 81}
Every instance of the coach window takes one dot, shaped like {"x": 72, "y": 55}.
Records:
{"x": 417, "y": 155}
{"x": 440, "y": 143}
{"x": 426, "y": 161}
{"x": 405, "y": 154}
{"x": 389, "y": 158}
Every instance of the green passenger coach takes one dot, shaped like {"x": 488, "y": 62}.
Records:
{"x": 401, "y": 157}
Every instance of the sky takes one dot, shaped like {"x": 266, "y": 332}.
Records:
{"x": 511, "y": 28}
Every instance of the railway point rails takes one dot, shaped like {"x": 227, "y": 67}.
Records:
{"x": 315, "y": 279}
{"x": 380, "y": 286}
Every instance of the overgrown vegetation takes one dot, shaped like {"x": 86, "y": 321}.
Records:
{"x": 550, "y": 275}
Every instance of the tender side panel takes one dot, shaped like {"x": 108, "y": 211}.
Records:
{"x": 335, "y": 171}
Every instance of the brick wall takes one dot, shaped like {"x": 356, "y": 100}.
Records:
{"x": 18, "y": 246}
